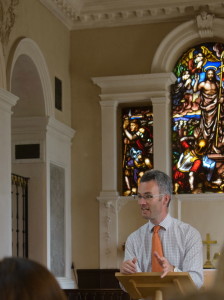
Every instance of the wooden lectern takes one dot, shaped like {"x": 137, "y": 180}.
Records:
{"x": 152, "y": 286}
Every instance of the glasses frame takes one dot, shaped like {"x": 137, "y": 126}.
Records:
{"x": 146, "y": 197}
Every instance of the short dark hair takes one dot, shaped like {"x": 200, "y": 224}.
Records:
{"x": 25, "y": 279}
{"x": 162, "y": 179}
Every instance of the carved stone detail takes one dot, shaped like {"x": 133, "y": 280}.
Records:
{"x": 109, "y": 213}
{"x": 7, "y": 19}
{"x": 205, "y": 24}
{"x": 77, "y": 14}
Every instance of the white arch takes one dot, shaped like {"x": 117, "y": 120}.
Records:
{"x": 2, "y": 68}
{"x": 203, "y": 28}
{"x": 28, "y": 47}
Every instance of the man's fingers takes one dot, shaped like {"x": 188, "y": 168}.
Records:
{"x": 164, "y": 274}
{"x": 129, "y": 266}
{"x": 134, "y": 260}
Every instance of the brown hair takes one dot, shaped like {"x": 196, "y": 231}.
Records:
{"x": 23, "y": 279}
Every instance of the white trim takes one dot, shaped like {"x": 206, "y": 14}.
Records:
{"x": 29, "y": 48}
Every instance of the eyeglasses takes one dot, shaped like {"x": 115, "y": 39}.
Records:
{"x": 146, "y": 196}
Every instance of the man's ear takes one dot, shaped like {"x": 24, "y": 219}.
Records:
{"x": 166, "y": 200}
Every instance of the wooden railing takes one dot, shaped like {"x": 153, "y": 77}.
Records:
{"x": 96, "y": 294}
{"x": 97, "y": 284}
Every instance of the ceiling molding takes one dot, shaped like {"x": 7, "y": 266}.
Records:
{"x": 84, "y": 14}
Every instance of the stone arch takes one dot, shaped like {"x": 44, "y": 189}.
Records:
{"x": 29, "y": 79}
{"x": 33, "y": 122}
{"x": 28, "y": 53}
{"x": 205, "y": 27}
{"x": 2, "y": 69}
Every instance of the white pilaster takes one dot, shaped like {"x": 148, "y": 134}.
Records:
{"x": 58, "y": 153}
{"x": 109, "y": 145}
{"x": 108, "y": 229}
{"x": 161, "y": 133}
{"x": 7, "y": 100}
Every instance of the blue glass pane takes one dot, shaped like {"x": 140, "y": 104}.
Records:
{"x": 137, "y": 145}
{"x": 197, "y": 120}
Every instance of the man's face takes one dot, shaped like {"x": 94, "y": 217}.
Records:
{"x": 210, "y": 75}
{"x": 133, "y": 127}
{"x": 155, "y": 208}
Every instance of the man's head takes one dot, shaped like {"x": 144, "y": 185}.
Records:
{"x": 154, "y": 194}
{"x": 163, "y": 181}
{"x": 134, "y": 125}
{"x": 211, "y": 75}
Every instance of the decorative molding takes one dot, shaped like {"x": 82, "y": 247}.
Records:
{"x": 199, "y": 197}
{"x": 7, "y": 100}
{"x": 205, "y": 24}
{"x": 182, "y": 38}
{"x": 29, "y": 48}
{"x": 77, "y": 14}
{"x": 138, "y": 87}
{"x": 7, "y": 19}
{"x": 67, "y": 283}
{"x": 60, "y": 129}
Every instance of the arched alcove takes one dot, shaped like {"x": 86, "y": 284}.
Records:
{"x": 26, "y": 84}
{"x": 49, "y": 172}
{"x": 28, "y": 60}
{"x": 28, "y": 79}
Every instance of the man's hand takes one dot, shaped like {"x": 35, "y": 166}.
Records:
{"x": 167, "y": 267}
{"x": 129, "y": 266}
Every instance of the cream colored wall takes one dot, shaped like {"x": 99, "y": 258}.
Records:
{"x": 34, "y": 21}
{"x": 101, "y": 52}
{"x": 129, "y": 220}
{"x": 207, "y": 217}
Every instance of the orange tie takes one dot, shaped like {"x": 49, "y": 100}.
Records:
{"x": 156, "y": 246}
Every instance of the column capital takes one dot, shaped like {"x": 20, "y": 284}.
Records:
{"x": 7, "y": 100}
{"x": 108, "y": 103}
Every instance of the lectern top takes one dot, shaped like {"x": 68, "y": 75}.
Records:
{"x": 144, "y": 284}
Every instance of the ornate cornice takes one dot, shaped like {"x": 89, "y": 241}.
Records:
{"x": 77, "y": 14}
{"x": 205, "y": 24}
{"x": 7, "y": 19}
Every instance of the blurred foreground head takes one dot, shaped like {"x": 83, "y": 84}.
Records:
{"x": 23, "y": 279}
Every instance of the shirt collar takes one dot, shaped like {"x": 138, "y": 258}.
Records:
{"x": 165, "y": 223}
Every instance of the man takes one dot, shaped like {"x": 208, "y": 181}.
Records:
{"x": 209, "y": 94}
{"x": 181, "y": 243}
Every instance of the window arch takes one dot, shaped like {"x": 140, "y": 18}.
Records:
{"x": 197, "y": 120}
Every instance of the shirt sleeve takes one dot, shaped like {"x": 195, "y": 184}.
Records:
{"x": 193, "y": 260}
{"x": 130, "y": 250}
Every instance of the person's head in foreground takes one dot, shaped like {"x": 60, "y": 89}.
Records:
{"x": 23, "y": 279}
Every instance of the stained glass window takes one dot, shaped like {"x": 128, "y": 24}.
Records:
{"x": 197, "y": 120}
{"x": 137, "y": 146}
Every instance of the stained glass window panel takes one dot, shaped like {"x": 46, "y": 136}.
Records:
{"x": 137, "y": 146}
{"x": 197, "y": 120}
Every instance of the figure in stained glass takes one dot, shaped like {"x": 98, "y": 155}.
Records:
{"x": 198, "y": 119}
{"x": 137, "y": 146}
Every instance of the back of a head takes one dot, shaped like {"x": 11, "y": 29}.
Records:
{"x": 162, "y": 179}
{"x": 210, "y": 294}
{"x": 23, "y": 279}
{"x": 219, "y": 278}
